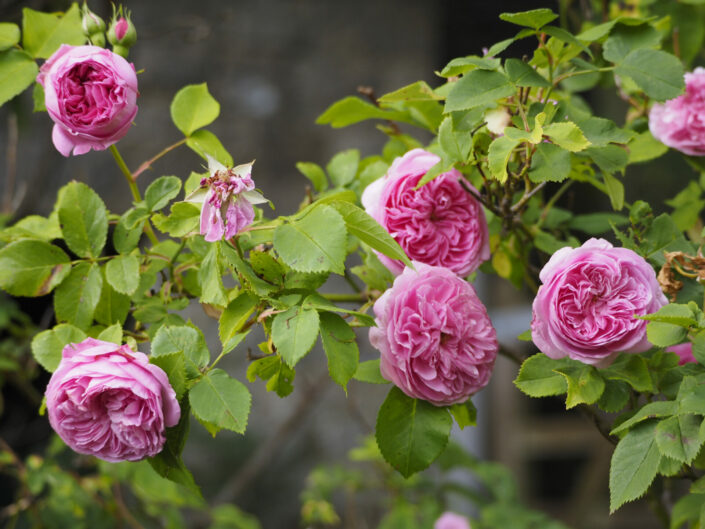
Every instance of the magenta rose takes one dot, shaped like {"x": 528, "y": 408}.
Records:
{"x": 440, "y": 224}
{"x": 680, "y": 122}
{"x": 91, "y": 94}
{"x": 586, "y": 305}
{"x": 109, "y": 401}
{"x": 435, "y": 338}
{"x": 450, "y": 520}
{"x": 684, "y": 352}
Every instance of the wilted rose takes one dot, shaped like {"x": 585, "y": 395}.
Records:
{"x": 109, "y": 401}
{"x": 91, "y": 95}
{"x": 586, "y": 305}
{"x": 435, "y": 338}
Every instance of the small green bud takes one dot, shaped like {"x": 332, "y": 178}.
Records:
{"x": 92, "y": 24}
{"x": 122, "y": 51}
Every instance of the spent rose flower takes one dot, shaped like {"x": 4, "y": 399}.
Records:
{"x": 440, "y": 224}
{"x": 109, "y": 401}
{"x": 450, "y": 520}
{"x": 680, "y": 122}
{"x": 586, "y": 305}
{"x": 91, "y": 95}
{"x": 227, "y": 196}
{"x": 497, "y": 120}
{"x": 684, "y": 352}
{"x": 435, "y": 338}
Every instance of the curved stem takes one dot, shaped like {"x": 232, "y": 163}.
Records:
{"x": 346, "y": 297}
{"x": 146, "y": 165}
{"x": 133, "y": 189}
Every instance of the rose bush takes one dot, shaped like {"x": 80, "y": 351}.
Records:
{"x": 680, "y": 122}
{"x": 109, "y": 401}
{"x": 586, "y": 305}
{"x": 91, "y": 95}
{"x": 435, "y": 338}
{"x": 440, "y": 224}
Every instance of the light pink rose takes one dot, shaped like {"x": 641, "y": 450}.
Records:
{"x": 440, "y": 224}
{"x": 680, "y": 122}
{"x": 684, "y": 351}
{"x": 586, "y": 305}
{"x": 435, "y": 338}
{"x": 227, "y": 196}
{"x": 450, "y": 520}
{"x": 91, "y": 94}
{"x": 108, "y": 401}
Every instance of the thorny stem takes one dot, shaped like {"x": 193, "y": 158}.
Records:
{"x": 146, "y": 165}
{"x": 527, "y": 197}
{"x": 133, "y": 188}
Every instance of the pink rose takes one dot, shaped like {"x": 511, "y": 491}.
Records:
{"x": 226, "y": 196}
{"x": 91, "y": 94}
{"x": 450, "y": 520}
{"x": 680, "y": 122}
{"x": 440, "y": 224}
{"x": 435, "y": 338}
{"x": 108, "y": 401}
{"x": 586, "y": 305}
{"x": 684, "y": 351}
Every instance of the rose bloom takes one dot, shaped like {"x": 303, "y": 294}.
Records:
{"x": 684, "y": 352}
{"x": 680, "y": 122}
{"x": 586, "y": 305}
{"x": 450, "y": 520}
{"x": 91, "y": 94}
{"x": 109, "y": 401}
{"x": 435, "y": 338}
{"x": 440, "y": 224}
{"x": 226, "y": 196}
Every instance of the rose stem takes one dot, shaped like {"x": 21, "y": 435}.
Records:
{"x": 146, "y": 165}
{"x": 133, "y": 188}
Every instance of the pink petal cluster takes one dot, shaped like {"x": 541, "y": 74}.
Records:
{"x": 440, "y": 224}
{"x": 91, "y": 95}
{"x": 435, "y": 338}
{"x": 227, "y": 197}
{"x": 586, "y": 305}
{"x": 684, "y": 352}
{"x": 680, "y": 122}
{"x": 108, "y": 401}
{"x": 225, "y": 212}
{"x": 450, "y": 520}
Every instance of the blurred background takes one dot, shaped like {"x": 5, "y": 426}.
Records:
{"x": 274, "y": 66}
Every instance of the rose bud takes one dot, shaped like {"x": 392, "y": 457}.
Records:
{"x": 450, "y": 520}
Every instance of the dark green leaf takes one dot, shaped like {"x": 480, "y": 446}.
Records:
{"x": 123, "y": 273}
{"x": 549, "y": 163}
{"x": 340, "y": 347}
{"x": 477, "y": 88}
{"x": 315, "y": 174}
{"x": 17, "y": 71}
{"x": 657, "y": 73}
{"x": 210, "y": 278}
{"x": 161, "y": 191}
{"x": 83, "y": 218}
{"x": 538, "y": 378}
{"x": 678, "y": 437}
{"x": 343, "y": 167}
{"x": 47, "y": 345}
{"x": 534, "y": 18}
{"x": 624, "y": 39}
{"x": 187, "y": 340}
{"x": 236, "y": 315}
{"x": 32, "y": 268}
{"x": 411, "y": 433}
{"x": 219, "y": 401}
{"x": 585, "y": 385}
{"x": 183, "y": 219}
{"x": 521, "y": 74}
{"x": 77, "y": 297}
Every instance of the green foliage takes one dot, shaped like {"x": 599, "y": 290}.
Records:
{"x": 83, "y": 218}
{"x": 47, "y": 345}
{"x": 17, "y": 70}
{"x": 294, "y": 332}
{"x": 657, "y": 73}
{"x": 193, "y": 107}
{"x": 314, "y": 242}
{"x": 219, "y": 402}
{"x": 340, "y": 347}
{"x": 43, "y": 33}
{"x": 9, "y": 35}
{"x": 411, "y": 433}
{"x": 76, "y": 299}
{"x": 32, "y": 268}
